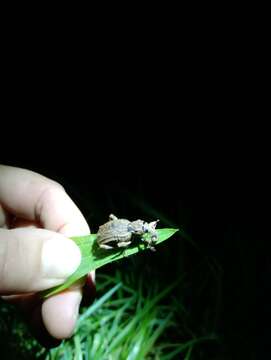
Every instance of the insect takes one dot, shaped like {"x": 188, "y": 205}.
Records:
{"x": 120, "y": 233}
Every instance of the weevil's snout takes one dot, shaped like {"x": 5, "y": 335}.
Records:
{"x": 152, "y": 229}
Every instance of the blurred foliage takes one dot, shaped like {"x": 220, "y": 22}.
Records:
{"x": 135, "y": 319}
{"x": 16, "y": 342}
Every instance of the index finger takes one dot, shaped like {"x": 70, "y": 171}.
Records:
{"x": 34, "y": 197}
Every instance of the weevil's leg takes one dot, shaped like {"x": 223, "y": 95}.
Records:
{"x": 145, "y": 241}
{"x": 124, "y": 243}
{"x": 150, "y": 246}
{"x": 112, "y": 217}
{"x": 107, "y": 247}
{"x": 149, "y": 243}
{"x": 123, "y": 251}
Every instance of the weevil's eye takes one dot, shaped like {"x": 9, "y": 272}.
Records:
{"x": 145, "y": 228}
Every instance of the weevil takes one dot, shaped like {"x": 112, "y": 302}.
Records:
{"x": 119, "y": 233}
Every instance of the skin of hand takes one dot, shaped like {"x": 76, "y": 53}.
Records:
{"x": 36, "y": 219}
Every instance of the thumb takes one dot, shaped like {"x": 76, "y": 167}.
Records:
{"x": 35, "y": 259}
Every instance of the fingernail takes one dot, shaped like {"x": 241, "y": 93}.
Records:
{"x": 60, "y": 258}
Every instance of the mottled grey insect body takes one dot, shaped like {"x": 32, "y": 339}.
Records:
{"x": 120, "y": 233}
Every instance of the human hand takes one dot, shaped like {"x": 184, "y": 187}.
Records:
{"x": 36, "y": 219}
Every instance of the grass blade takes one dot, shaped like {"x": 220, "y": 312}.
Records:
{"x": 97, "y": 304}
{"x": 94, "y": 257}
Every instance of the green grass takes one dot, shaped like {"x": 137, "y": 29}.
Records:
{"x": 130, "y": 323}
{"x": 134, "y": 317}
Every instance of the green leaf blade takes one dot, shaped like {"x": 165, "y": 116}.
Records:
{"x": 94, "y": 258}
